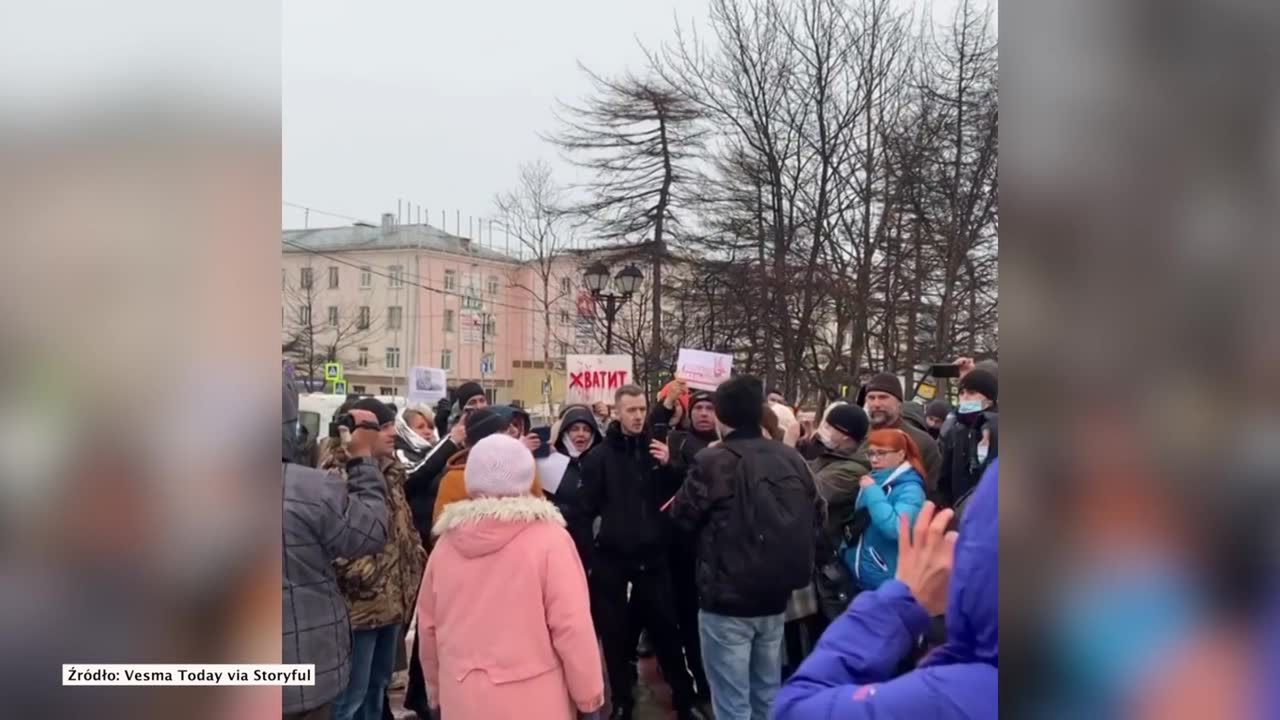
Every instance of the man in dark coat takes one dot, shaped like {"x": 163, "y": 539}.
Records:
{"x": 752, "y": 503}
{"x": 973, "y": 441}
{"x": 883, "y": 397}
{"x": 623, "y": 486}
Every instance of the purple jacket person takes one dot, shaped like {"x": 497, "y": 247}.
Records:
{"x": 849, "y": 676}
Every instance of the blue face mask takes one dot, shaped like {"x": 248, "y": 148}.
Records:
{"x": 972, "y": 405}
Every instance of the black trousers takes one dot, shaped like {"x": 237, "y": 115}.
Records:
{"x": 415, "y": 694}
{"x": 651, "y": 599}
{"x": 684, "y": 583}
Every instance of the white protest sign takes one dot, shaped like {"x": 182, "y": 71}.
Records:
{"x": 594, "y": 378}
{"x": 426, "y": 385}
{"x": 703, "y": 370}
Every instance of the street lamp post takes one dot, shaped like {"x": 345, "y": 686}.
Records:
{"x": 626, "y": 282}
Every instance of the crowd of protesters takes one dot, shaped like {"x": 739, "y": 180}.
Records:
{"x": 774, "y": 567}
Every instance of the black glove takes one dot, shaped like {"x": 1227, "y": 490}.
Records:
{"x": 442, "y": 418}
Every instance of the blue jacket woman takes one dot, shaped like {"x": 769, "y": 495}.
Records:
{"x": 850, "y": 675}
{"x": 894, "y": 487}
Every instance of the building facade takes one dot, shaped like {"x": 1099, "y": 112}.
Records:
{"x": 382, "y": 300}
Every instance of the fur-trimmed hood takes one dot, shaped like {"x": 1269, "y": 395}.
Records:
{"x": 482, "y": 526}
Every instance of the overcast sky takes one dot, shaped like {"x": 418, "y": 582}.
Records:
{"x": 439, "y": 102}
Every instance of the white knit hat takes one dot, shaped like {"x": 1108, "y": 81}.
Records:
{"x": 499, "y": 466}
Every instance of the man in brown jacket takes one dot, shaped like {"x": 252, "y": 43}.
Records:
{"x": 883, "y": 398}
{"x": 381, "y": 589}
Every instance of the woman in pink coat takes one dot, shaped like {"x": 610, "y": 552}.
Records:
{"x": 504, "y": 617}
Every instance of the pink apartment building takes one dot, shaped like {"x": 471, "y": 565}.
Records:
{"x": 393, "y": 297}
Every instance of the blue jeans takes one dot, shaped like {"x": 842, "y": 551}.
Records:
{"x": 743, "y": 659}
{"x": 373, "y": 659}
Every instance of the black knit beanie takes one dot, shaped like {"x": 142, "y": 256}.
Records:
{"x": 980, "y": 381}
{"x": 378, "y": 408}
{"x": 885, "y": 383}
{"x": 850, "y": 420}
{"x": 937, "y": 409}
{"x": 482, "y": 423}
{"x": 466, "y": 391}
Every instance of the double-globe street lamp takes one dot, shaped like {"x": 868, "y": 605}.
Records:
{"x": 597, "y": 279}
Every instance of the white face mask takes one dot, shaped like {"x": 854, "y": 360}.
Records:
{"x": 826, "y": 438}
{"x": 972, "y": 405}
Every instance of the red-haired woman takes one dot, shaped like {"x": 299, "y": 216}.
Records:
{"x": 895, "y": 487}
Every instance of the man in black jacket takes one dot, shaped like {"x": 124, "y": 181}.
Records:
{"x": 973, "y": 441}
{"x": 623, "y": 485}
{"x": 678, "y": 456}
{"x": 753, "y": 504}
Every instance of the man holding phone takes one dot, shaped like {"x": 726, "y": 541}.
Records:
{"x": 624, "y": 487}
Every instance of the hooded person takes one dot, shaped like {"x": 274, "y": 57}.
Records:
{"x": 935, "y": 416}
{"x": 379, "y": 587}
{"x": 561, "y": 470}
{"x": 851, "y": 673}
{"x": 480, "y": 424}
{"x": 484, "y": 655}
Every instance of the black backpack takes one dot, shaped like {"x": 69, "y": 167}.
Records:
{"x": 773, "y": 510}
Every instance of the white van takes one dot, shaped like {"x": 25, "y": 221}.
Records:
{"x": 316, "y": 410}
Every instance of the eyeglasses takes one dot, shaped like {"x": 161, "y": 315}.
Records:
{"x": 881, "y": 453}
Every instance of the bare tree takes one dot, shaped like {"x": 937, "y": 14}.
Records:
{"x": 532, "y": 214}
{"x": 315, "y": 332}
{"x": 637, "y": 137}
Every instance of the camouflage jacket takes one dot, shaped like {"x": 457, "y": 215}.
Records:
{"x": 382, "y": 589}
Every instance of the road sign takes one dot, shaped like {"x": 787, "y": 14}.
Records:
{"x": 486, "y": 365}
{"x": 332, "y": 371}
{"x": 340, "y": 387}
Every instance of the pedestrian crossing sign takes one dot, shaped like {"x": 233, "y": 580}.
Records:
{"x": 340, "y": 387}
{"x": 333, "y": 371}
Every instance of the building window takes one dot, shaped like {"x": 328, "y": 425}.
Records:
{"x": 472, "y": 301}
{"x": 450, "y": 280}
{"x": 333, "y": 316}
{"x": 357, "y": 389}
{"x": 304, "y": 314}
{"x": 387, "y": 391}
{"x": 366, "y": 277}
{"x": 362, "y": 357}
{"x": 394, "y": 314}
{"x": 564, "y": 317}
{"x": 493, "y": 285}
{"x": 564, "y": 348}
{"x": 397, "y": 276}
{"x": 333, "y": 278}
{"x": 566, "y": 285}
{"x": 306, "y": 278}
{"x": 446, "y": 359}
{"x": 363, "y": 324}
{"x": 448, "y": 321}
{"x": 393, "y": 358}
{"x": 491, "y": 326}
